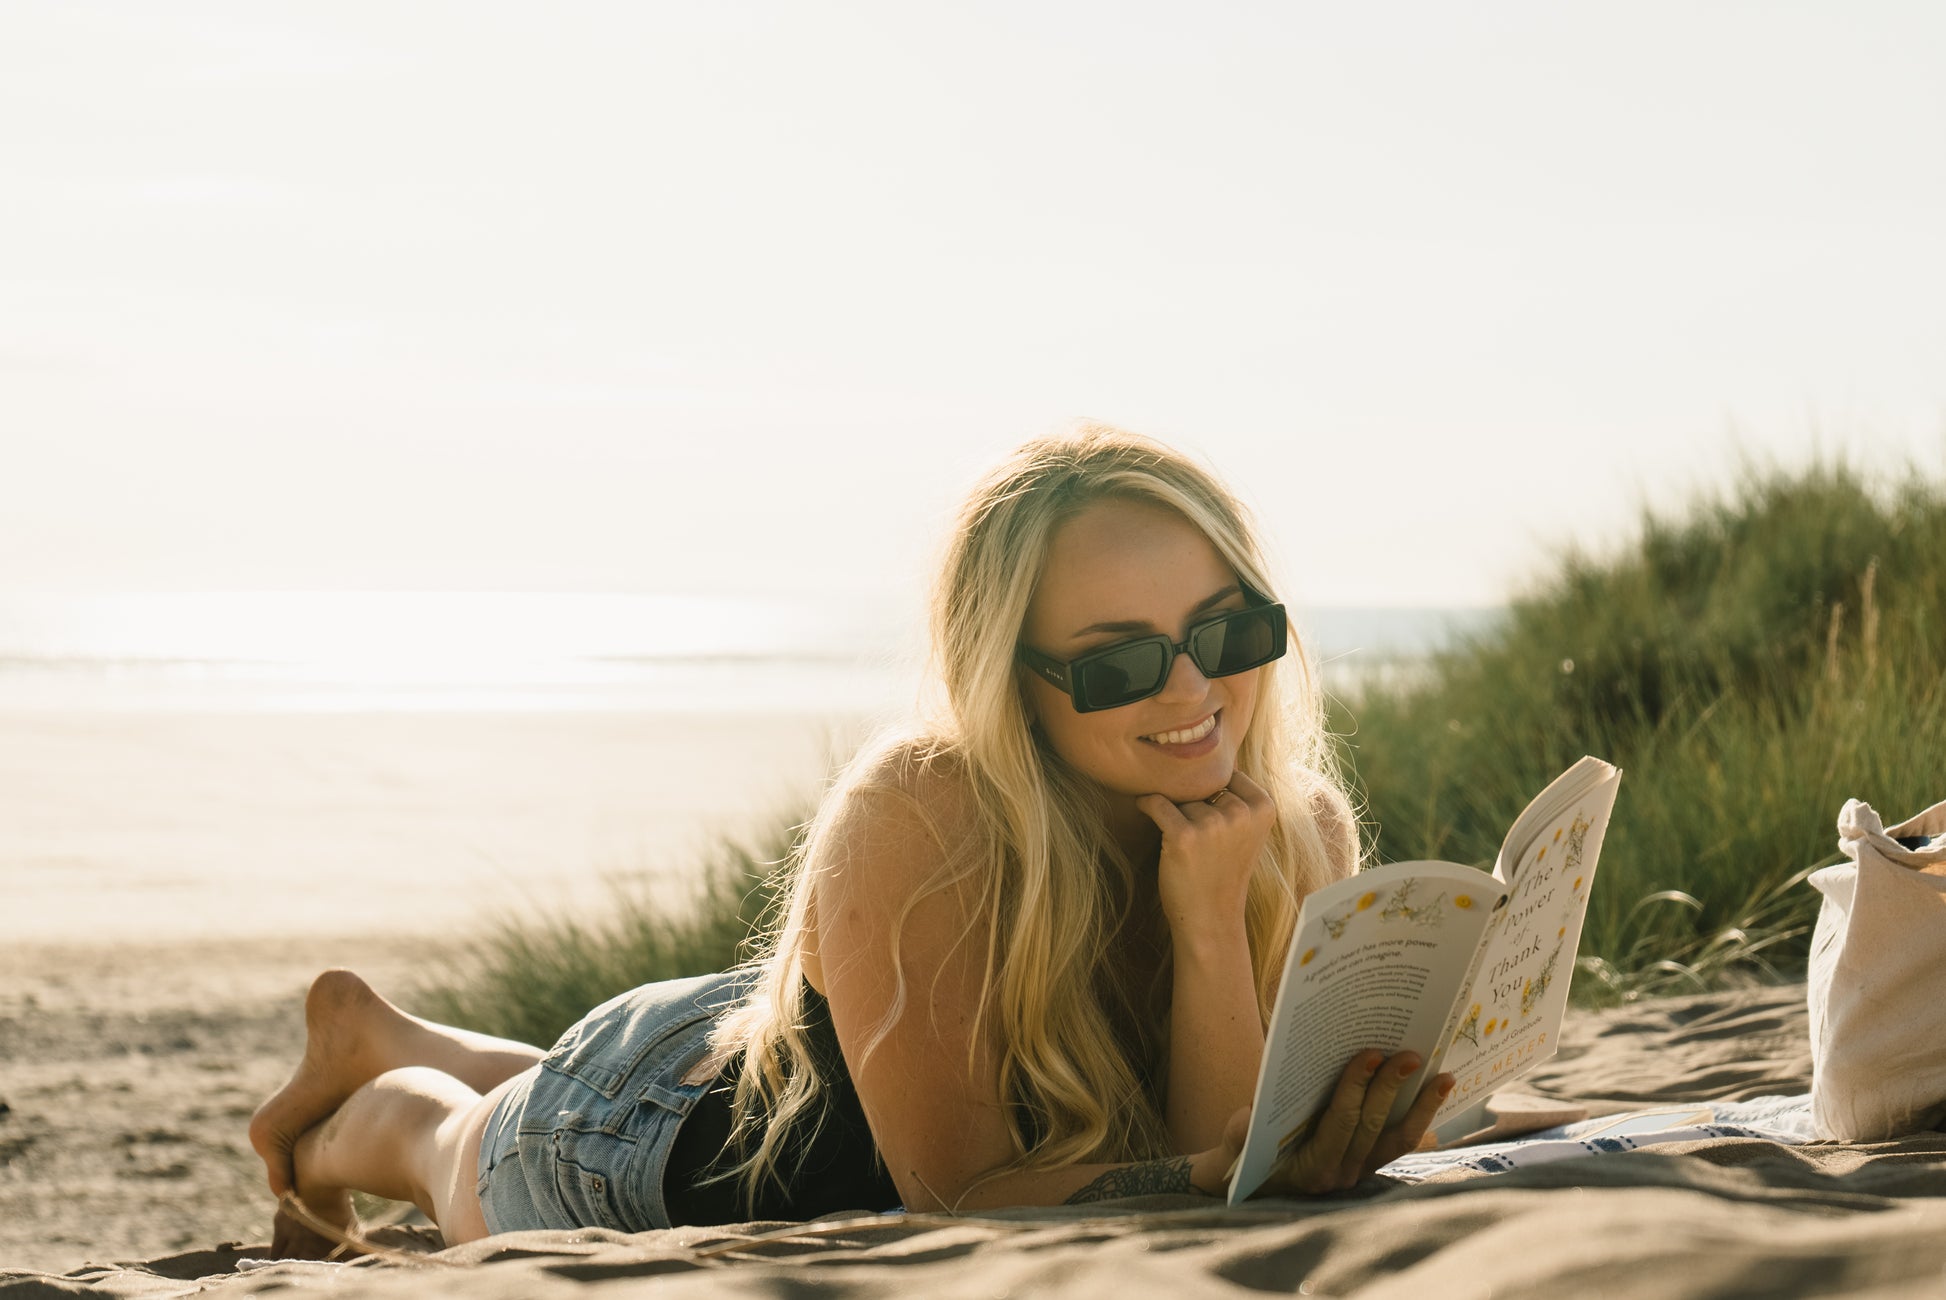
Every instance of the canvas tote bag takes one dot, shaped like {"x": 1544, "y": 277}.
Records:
{"x": 1878, "y": 979}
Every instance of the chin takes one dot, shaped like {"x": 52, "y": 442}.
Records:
{"x": 1190, "y": 787}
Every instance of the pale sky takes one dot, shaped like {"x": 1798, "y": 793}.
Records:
{"x": 739, "y": 297}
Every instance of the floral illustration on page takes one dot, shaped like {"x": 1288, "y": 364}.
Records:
{"x": 1577, "y": 836}
{"x": 1530, "y": 996}
{"x": 1400, "y": 907}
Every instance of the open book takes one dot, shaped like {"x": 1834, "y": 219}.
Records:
{"x": 1467, "y": 969}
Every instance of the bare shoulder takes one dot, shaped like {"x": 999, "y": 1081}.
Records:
{"x": 897, "y": 834}
{"x": 911, "y": 798}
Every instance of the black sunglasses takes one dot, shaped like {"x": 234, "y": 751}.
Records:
{"x": 1133, "y": 670}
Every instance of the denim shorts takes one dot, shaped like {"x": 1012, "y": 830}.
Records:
{"x": 582, "y": 1140}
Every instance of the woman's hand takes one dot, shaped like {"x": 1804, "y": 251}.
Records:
{"x": 1350, "y": 1140}
{"x": 1209, "y": 848}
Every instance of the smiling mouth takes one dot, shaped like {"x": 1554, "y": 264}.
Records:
{"x": 1189, "y": 736}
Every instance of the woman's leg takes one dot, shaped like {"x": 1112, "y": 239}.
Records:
{"x": 410, "y": 1134}
{"x": 352, "y": 1036}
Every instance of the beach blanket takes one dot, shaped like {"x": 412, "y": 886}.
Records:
{"x": 1770, "y": 1119}
{"x": 1742, "y": 1205}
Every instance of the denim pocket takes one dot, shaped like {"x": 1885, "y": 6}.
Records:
{"x": 587, "y": 1167}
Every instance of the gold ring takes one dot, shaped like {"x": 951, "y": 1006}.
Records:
{"x": 1211, "y": 801}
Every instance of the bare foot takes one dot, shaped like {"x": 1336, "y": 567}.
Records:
{"x": 292, "y": 1238}
{"x": 352, "y": 1035}
{"x": 345, "y": 1025}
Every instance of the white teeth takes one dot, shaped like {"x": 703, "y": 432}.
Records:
{"x": 1196, "y": 732}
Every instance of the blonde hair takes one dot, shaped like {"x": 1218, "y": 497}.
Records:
{"x": 1079, "y": 1057}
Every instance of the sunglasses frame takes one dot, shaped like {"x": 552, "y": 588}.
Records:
{"x": 1064, "y": 676}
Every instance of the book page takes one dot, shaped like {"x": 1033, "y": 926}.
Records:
{"x": 1510, "y": 1016}
{"x": 1544, "y": 814}
{"x": 1375, "y": 963}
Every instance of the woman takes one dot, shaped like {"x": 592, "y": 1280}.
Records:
{"x": 1029, "y": 950}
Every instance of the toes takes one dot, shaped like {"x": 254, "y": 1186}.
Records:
{"x": 273, "y": 1146}
{"x": 284, "y": 1231}
{"x": 293, "y": 1238}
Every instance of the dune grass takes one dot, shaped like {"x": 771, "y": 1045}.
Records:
{"x": 1751, "y": 660}
{"x": 529, "y": 977}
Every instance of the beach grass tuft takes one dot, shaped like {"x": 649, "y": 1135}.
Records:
{"x": 529, "y": 977}
{"x": 1751, "y": 660}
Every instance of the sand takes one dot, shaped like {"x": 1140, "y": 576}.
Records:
{"x": 130, "y": 1075}
{"x": 232, "y": 825}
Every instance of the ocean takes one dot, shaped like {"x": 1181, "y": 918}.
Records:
{"x": 474, "y": 652}
{"x": 196, "y": 765}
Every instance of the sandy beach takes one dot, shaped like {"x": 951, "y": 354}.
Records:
{"x": 128, "y": 1072}
{"x": 131, "y": 1071}
{"x": 135, "y": 825}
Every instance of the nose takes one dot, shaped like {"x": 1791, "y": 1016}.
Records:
{"x": 1185, "y": 682}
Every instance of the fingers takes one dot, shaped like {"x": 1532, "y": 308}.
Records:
{"x": 1319, "y": 1161}
{"x": 1237, "y": 1132}
{"x": 1240, "y": 797}
{"x": 1167, "y": 817}
{"x": 1373, "y": 1113}
{"x": 1252, "y": 794}
{"x": 1406, "y": 1136}
{"x": 1350, "y": 1138}
{"x": 1241, "y": 800}
{"x": 1201, "y": 816}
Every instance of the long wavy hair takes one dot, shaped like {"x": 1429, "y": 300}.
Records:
{"x": 1079, "y": 1054}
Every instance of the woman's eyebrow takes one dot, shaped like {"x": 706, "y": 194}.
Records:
{"x": 1137, "y": 625}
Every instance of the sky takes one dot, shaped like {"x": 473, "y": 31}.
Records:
{"x": 741, "y": 297}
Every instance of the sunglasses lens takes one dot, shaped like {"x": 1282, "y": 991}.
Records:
{"x": 1231, "y": 644}
{"x": 1121, "y": 676}
{"x": 1242, "y": 641}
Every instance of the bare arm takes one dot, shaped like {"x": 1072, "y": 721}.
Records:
{"x": 1216, "y": 1037}
{"x": 906, "y": 1017}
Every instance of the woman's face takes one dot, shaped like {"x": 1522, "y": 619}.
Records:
{"x": 1123, "y": 569}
